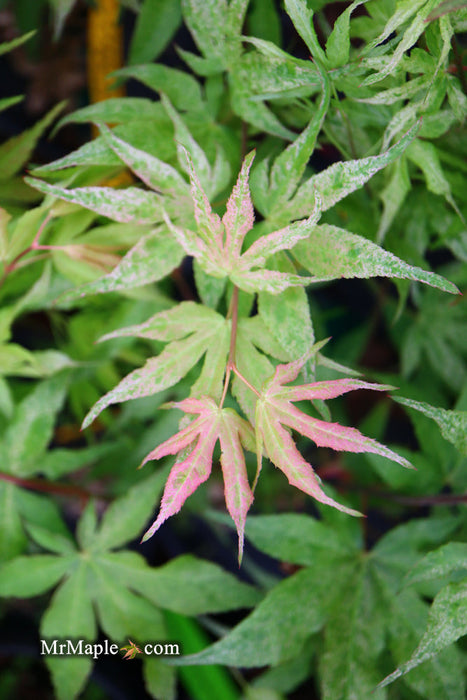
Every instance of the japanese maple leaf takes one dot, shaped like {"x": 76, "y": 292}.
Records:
{"x": 275, "y": 409}
{"x": 131, "y": 650}
{"x": 213, "y": 423}
{"x": 217, "y": 244}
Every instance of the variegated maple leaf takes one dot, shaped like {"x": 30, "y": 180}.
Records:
{"x": 191, "y": 331}
{"x": 275, "y": 409}
{"x": 213, "y": 424}
{"x": 217, "y": 244}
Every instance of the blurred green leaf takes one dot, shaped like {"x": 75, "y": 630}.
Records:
{"x": 157, "y": 22}
{"x": 453, "y": 424}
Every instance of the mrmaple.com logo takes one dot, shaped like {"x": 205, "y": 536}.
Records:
{"x": 80, "y": 647}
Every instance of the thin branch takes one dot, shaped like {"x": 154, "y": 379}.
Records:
{"x": 10, "y": 267}
{"x": 52, "y": 487}
{"x": 439, "y": 499}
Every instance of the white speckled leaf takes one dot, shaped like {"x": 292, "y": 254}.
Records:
{"x": 115, "y": 110}
{"x": 452, "y": 424}
{"x": 31, "y": 428}
{"x": 403, "y": 117}
{"x": 410, "y": 37}
{"x": 447, "y": 622}
{"x": 393, "y": 196}
{"x": 128, "y": 205}
{"x": 210, "y": 380}
{"x": 289, "y": 166}
{"x": 338, "y": 43}
{"x": 457, "y": 99}
{"x": 182, "y": 89}
{"x": 440, "y": 562}
{"x": 340, "y": 179}
{"x": 16, "y": 151}
{"x": 206, "y": 20}
{"x": 153, "y": 172}
{"x": 254, "y": 366}
{"x": 174, "y": 324}
{"x": 253, "y": 111}
{"x": 278, "y": 627}
{"x": 441, "y": 676}
{"x": 284, "y": 239}
{"x": 302, "y": 17}
{"x": 400, "y": 92}
{"x": 239, "y": 216}
{"x": 186, "y": 142}
{"x": 151, "y": 259}
{"x": 354, "y": 637}
{"x": 404, "y": 11}
{"x": 150, "y": 132}
{"x": 70, "y": 613}
{"x": 259, "y": 334}
{"x": 193, "y": 245}
{"x": 236, "y": 16}
{"x": 210, "y": 289}
{"x": 425, "y": 155}
{"x": 288, "y": 316}
{"x": 157, "y": 374}
{"x": 268, "y": 281}
{"x": 331, "y": 252}
{"x": 210, "y": 228}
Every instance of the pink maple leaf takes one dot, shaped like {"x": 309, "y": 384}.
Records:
{"x": 217, "y": 244}
{"x": 274, "y": 410}
{"x": 213, "y": 424}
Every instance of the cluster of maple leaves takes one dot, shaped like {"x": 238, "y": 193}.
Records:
{"x": 233, "y": 249}
{"x": 275, "y": 413}
{"x": 217, "y": 244}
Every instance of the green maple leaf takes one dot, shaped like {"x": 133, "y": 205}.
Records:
{"x": 99, "y": 584}
{"x": 353, "y": 597}
{"x": 189, "y": 329}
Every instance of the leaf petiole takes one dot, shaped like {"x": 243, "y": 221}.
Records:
{"x": 231, "y": 366}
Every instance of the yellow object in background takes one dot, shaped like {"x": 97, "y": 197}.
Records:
{"x": 104, "y": 55}
{"x": 105, "y": 49}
